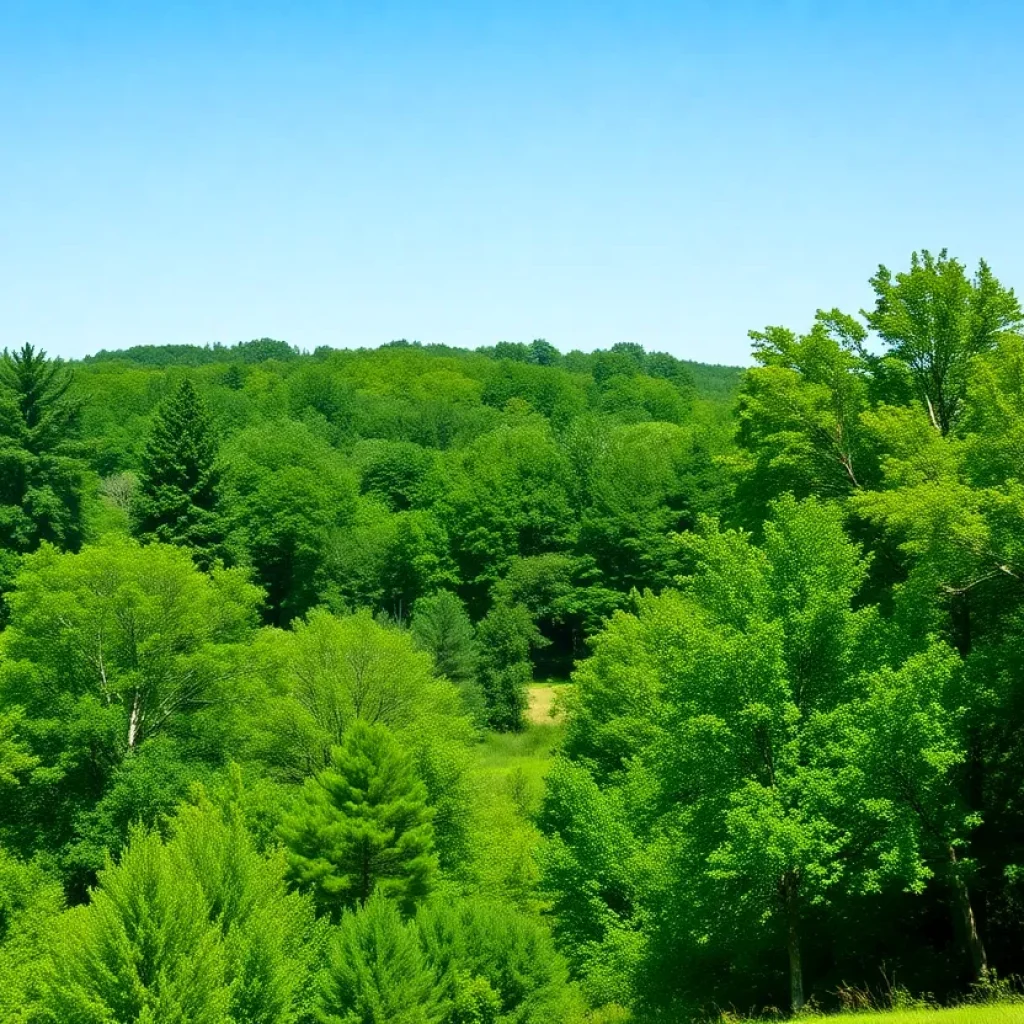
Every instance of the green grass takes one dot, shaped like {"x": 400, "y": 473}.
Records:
{"x": 1006, "y": 1014}
{"x": 509, "y": 788}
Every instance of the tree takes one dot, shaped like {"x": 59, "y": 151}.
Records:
{"x": 270, "y": 940}
{"x": 385, "y": 560}
{"x": 800, "y": 412}
{"x": 442, "y": 628}
{"x": 507, "y": 495}
{"x": 143, "y": 950}
{"x": 705, "y": 720}
{"x": 41, "y": 470}
{"x": 178, "y": 497}
{"x": 125, "y": 661}
{"x": 377, "y": 973}
{"x": 506, "y": 636}
{"x": 31, "y": 900}
{"x": 197, "y": 927}
{"x": 288, "y": 489}
{"x": 362, "y": 825}
{"x": 906, "y": 741}
{"x": 494, "y": 962}
{"x": 937, "y": 320}
{"x": 331, "y": 671}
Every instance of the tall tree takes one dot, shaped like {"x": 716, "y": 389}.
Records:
{"x": 41, "y": 471}
{"x": 178, "y": 497}
{"x": 289, "y": 489}
{"x": 800, "y": 410}
{"x": 703, "y": 715}
{"x": 906, "y": 740}
{"x": 936, "y": 319}
{"x": 442, "y": 628}
{"x": 362, "y": 825}
{"x": 506, "y": 636}
{"x": 126, "y": 663}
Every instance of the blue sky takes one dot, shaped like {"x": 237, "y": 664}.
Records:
{"x": 673, "y": 174}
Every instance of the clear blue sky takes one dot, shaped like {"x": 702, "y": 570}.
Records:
{"x": 671, "y": 173}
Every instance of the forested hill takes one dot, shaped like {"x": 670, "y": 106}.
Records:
{"x": 709, "y": 379}
{"x": 269, "y": 620}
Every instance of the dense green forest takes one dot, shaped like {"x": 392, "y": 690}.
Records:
{"x": 272, "y": 620}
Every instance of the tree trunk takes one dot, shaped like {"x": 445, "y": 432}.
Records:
{"x": 966, "y": 919}
{"x": 796, "y": 970}
{"x": 135, "y": 720}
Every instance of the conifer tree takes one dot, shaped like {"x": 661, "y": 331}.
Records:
{"x": 178, "y": 500}
{"x": 143, "y": 950}
{"x": 361, "y": 825}
{"x": 377, "y": 973}
{"x": 442, "y": 628}
{"x": 41, "y": 473}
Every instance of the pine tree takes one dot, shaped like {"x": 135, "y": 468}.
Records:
{"x": 178, "y": 501}
{"x": 377, "y": 973}
{"x": 143, "y": 950}
{"x": 41, "y": 472}
{"x": 362, "y": 825}
{"x": 442, "y": 628}
{"x": 270, "y": 938}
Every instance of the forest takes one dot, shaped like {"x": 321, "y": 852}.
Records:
{"x": 421, "y": 685}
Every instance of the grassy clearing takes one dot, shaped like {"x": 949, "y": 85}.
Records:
{"x": 546, "y": 702}
{"x": 510, "y": 785}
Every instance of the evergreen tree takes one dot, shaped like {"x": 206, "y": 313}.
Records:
{"x": 442, "y": 628}
{"x": 41, "y": 472}
{"x": 362, "y": 824}
{"x": 178, "y": 500}
{"x": 267, "y": 930}
{"x": 377, "y": 972}
{"x": 143, "y": 951}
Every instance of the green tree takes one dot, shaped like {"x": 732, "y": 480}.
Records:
{"x": 270, "y": 941}
{"x": 331, "y": 671}
{"x": 706, "y": 717}
{"x": 125, "y": 661}
{"x": 41, "y": 470}
{"x": 494, "y": 963}
{"x": 377, "y": 973}
{"x": 178, "y": 496}
{"x": 31, "y": 900}
{"x": 288, "y": 490}
{"x": 442, "y": 628}
{"x": 143, "y": 950}
{"x": 362, "y": 825}
{"x": 648, "y": 481}
{"x": 506, "y": 636}
{"x": 907, "y": 742}
{"x": 507, "y": 495}
{"x": 937, "y": 320}
{"x": 800, "y": 413}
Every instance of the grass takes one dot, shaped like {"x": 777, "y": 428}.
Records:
{"x": 987, "y": 1014}
{"x": 510, "y": 785}
{"x": 546, "y": 699}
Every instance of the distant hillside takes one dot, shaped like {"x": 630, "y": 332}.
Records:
{"x": 708, "y": 380}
